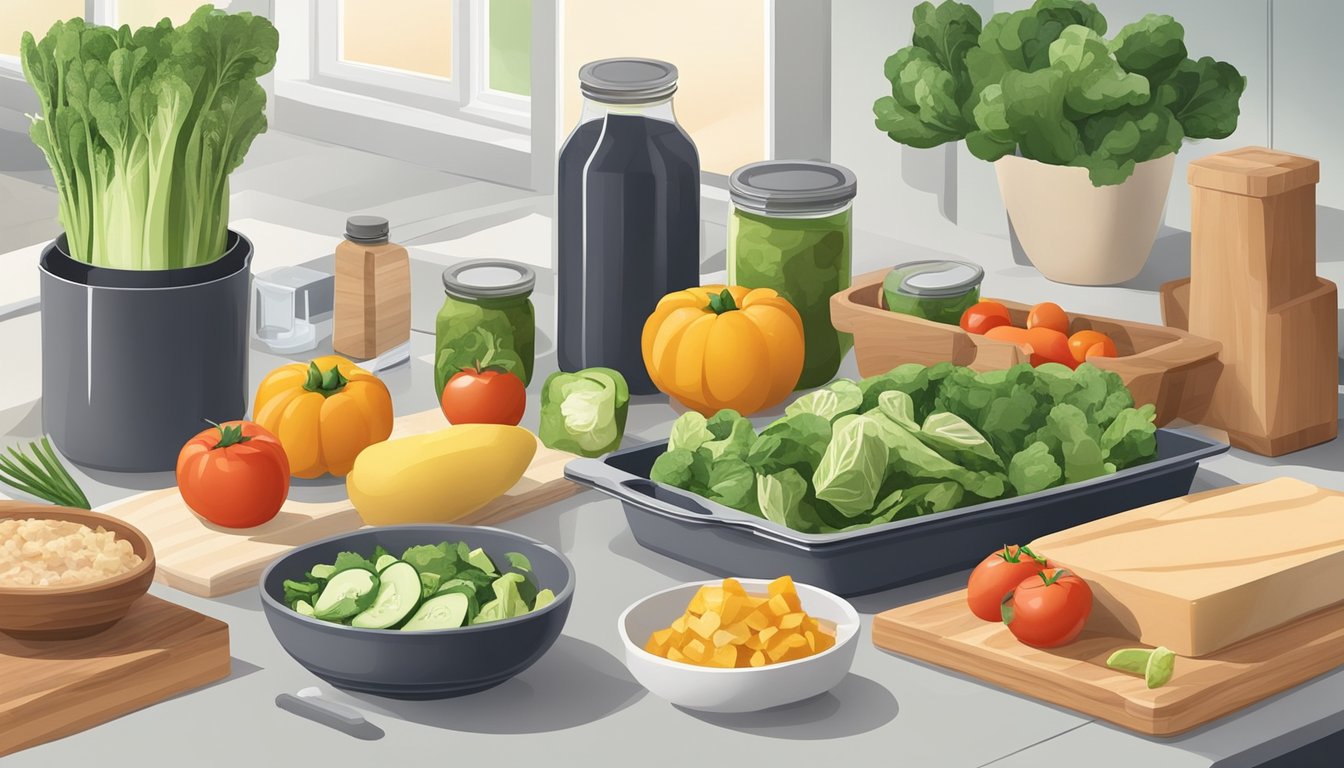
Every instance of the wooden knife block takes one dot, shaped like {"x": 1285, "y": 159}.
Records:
{"x": 1253, "y": 287}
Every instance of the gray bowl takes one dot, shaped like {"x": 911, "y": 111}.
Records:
{"x": 436, "y": 664}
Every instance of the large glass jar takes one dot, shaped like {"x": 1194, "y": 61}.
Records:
{"x": 487, "y": 317}
{"x": 790, "y": 230}
{"x": 628, "y": 216}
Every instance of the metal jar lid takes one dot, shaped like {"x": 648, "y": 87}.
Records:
{"x": 488, "y": 279}
{"x": 627, "y": 81}
{"x": 937, "y": 278}
{"x": 366, "y": 229}
{"x": 792, "y": 186}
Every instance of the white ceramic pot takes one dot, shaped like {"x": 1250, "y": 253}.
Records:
{"x": 1076, "y": 233}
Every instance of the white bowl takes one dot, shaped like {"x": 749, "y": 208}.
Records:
{"x": 736, "y": 690}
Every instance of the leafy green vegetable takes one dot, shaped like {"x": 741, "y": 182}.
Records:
{"x": 689, "y": 432}
{"x": 1043, "y": 82}
{"x": 836, "y": 399}
{"x": 142, "y": 130}
{"x": 584, "y": 412}
{"x": 917, "y": 441}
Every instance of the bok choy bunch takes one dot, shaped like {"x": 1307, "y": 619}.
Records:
{"x": 142, "y": 129}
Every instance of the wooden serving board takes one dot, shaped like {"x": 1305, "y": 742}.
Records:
{"x": 52, "y": 689}
{"x": 943, "y": 631}
{"x": 208, "y": 560}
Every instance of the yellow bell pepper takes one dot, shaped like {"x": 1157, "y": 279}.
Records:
{"x": 324, "y": 413}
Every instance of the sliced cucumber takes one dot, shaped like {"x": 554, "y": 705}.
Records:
{"x": 398, "y": 595}
{"x": 322, "y": 571}
{"x": 382, "y": 562}
{"x": 445, "y": 611}
{"x": 303, "y": 608}
{"x": 348, "y": 593}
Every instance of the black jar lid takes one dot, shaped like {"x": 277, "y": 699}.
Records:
{"x": 366, "y": 229}
{"x": 488, "y": 279}
{"x": 792, "y": 186}
{"x": 627, "y": 81}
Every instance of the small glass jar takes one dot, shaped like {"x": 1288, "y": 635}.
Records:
{"x": 790, "y": 230}
{"x": 938, "y": 290}
{"x": 487, "y": 317}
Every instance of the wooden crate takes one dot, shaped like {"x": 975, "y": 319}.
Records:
{"x": 1167, "y": 367}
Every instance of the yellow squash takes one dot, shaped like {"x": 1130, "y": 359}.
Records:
{"x": 438, "y": 477}
{"x": 716, "y": 347}
{"x": 324, "y": 413}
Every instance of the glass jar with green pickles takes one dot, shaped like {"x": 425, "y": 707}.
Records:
{"x": 790, "y": 230}
{"x": 487, "y": 317}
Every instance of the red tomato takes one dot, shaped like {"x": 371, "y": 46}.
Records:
{"x": 1049, "y": 609}
{"x": 1049, "y": 346}
{"x": 1086, "y": 343}
{"x": 1048, "y": 314}
{"x": 490, "y": 396}
{"x": 235, "y": 474}
{"x": 983, "y": 315}
{"x": 996, "y": 576}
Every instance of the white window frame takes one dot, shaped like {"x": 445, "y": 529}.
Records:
{"x": 465, "y": 93}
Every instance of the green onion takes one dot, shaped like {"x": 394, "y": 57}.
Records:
{"x": 46, "y": 478}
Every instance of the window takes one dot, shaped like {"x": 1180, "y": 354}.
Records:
{"x": 469, "y": 56}
{"x": 19, "y": 16}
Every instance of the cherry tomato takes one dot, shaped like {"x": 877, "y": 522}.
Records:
{"x": 235, "y": 474}
{"x": 996, "y": 576}
{"x": 1048, "y": 609}
{"x": 1049, "y": 346}
{"x": 1048, "y": 314}
{"x": 1086, "y": 343}
{"x": 983, "y": 315}
{"x": 490, "y": 396}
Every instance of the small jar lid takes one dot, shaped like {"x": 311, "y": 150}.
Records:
{"x": 488, "y": 279}
{"x": 627, "y": 81}
{"x": 937, "y": 278}
{"x": 366, "y": 229}
{"x": 792, "y": 186}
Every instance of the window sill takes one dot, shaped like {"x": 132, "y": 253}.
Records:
{"x": 422, "y": 136}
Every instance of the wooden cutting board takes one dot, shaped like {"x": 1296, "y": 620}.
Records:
{"x": 52, "y": 689}
{"x": 208, "y": 560}
{"x": 943, "y": 631}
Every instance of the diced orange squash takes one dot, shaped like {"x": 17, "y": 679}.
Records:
{"x": 704, "y": 626}
{"x": 697, "y": 604}
{"x": 758, "y": 620}
{"x": 725, "y": 657}
{"x": 725, "y": 627}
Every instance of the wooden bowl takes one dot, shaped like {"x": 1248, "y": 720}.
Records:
{"x": 1165, "y": 366}
{"x": 69, "y": 612}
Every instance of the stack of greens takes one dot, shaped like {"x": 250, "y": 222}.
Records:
{"x": 1044, "y": 82}
{"x": 432, "y": 586}
{"x": 142, "y": 130}
{"x": 914, "y": 441}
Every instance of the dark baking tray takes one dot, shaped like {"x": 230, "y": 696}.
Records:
{"x": 727, "y": 542}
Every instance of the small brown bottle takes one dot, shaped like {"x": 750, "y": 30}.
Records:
{"x": 372, "y": 311}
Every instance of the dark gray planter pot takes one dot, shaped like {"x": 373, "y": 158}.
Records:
{"x": 133, "y": 361}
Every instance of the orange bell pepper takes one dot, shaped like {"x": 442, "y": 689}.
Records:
{"x": 324, "y": 413}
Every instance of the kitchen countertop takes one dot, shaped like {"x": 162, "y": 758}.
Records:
{"x": 578, "y": 704}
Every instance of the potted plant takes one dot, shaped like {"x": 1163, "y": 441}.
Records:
{"x": 1082, "y": 130}
{"x": 145, "y": 295}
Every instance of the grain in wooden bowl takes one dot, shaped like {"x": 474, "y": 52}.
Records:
{"x": 104, "y": 591}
